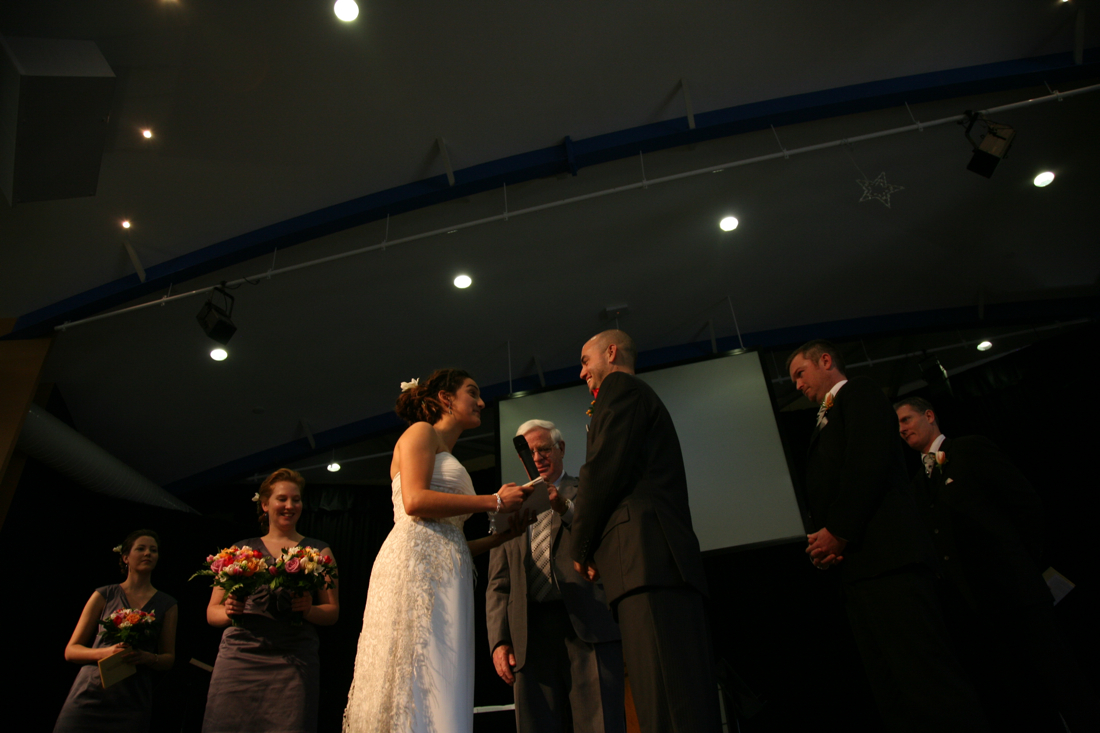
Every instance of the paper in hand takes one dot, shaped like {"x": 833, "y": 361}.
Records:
{"x": 113, "y": 670}
{"x": 537, "y": 501}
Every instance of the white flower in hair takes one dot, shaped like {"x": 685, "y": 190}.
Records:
{"x": 406, "y": 386}
{"x": 256, "y": 496}
{"x": 117, "y": 548}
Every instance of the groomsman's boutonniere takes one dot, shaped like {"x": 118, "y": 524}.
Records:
{"x": 941, "y": 459}
{"x": 828, "y": 402}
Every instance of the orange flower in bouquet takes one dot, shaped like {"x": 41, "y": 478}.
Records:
{"x": 239, "y": 571}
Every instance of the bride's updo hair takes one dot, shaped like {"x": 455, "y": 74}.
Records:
{"x": 421, "y": 403}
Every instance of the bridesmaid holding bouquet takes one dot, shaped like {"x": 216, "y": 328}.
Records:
{"x": 125, "y": 706}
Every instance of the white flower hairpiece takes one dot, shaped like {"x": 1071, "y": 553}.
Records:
{"x": 117, "y": 548}
{"x": 406, "y": 386}
{"x": 256, "y": 496}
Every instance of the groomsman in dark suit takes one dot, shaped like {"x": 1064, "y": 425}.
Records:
{"x": 632, "y": 528}
{"x": 551, "y": 633}
{"x": 985, "y": 520}
{"x": 866, "y": 527}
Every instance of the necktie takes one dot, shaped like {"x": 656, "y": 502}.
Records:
{"x": 542, "y": 586}
{"x": 929, "y": 463}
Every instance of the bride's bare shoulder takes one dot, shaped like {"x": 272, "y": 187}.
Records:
{"x": 419, "y": 437}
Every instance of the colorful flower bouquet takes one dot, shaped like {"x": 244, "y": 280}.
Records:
{"x": 239, "y": 571}
{"x": 129, "y": 626}
{"x": 303, "y": 570}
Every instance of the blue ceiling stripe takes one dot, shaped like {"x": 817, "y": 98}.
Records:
{"x": 568, "y": 157}
{"x": 1044, "y": 311}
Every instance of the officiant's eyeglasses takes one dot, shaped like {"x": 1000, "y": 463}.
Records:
{"x": 542, "y": 451}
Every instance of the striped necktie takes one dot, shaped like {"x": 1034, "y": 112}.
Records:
{"x": 929, "y": 463}
{"x": 542, "y": 585}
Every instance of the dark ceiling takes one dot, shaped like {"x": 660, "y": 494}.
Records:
{"x": 282, "y": 136}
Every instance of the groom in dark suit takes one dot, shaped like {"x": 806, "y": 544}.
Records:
{"x": 550, "y": 631}
{"x": 632, "y": 528}
{"x": 985, "y": 520}
{"x": 865, "y": 525}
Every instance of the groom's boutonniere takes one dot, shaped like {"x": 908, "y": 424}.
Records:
{"x": 593, "y": 404}
{"x": 828, "y": 403}
{"x": 941, "y": 460}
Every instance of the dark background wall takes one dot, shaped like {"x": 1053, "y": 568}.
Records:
{"x": 776, "y": 621}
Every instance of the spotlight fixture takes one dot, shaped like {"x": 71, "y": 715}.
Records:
{"x": 125, "y": 223}
{"x": 147, "y": 134}
{"x": 346, "y": 10}
{"x": 217, "y": 322}
{"x": 728, "y": 224}
{"x": 463, "y": 281}
{"x": 333, "y": 466}
{"x": 994, "y": 144}
{"x": 985, "y": 346}
{"x": 1043, "y": 179}
{"x": 219, "y": 354}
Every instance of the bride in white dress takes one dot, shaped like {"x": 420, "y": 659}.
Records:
{"x": 414, "y": 668}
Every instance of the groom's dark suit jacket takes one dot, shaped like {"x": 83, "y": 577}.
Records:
{"x": 985, "y": 520}
{"x": 857, "y": 486}
{"x": 632, "y": 514}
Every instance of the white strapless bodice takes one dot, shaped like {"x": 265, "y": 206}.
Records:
{"x": 448, "y": 477}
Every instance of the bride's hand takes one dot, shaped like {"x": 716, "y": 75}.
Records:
{"x": 512, "y": 496}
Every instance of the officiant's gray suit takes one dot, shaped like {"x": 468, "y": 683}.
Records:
{"x": 569, "y": 667}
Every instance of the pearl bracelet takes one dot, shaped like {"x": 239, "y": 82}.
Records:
{"x": 500, "y": 504}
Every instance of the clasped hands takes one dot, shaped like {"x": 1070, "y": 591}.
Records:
{"x": 825, "y": 549}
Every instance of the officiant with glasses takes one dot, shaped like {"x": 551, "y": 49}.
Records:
{"x": 551, "y": 632}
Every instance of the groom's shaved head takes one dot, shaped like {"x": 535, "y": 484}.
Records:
{"x": 627, "y": 353}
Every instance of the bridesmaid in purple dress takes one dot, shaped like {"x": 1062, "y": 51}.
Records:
{"x": 127, "y": 705}
{"x": 267, "y": 675}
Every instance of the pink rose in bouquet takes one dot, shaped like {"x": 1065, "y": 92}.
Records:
{"x": 303, "y": 570}
{"x": 239, "y": 571}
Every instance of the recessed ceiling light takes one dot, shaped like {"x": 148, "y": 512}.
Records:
{"x": 1044, "y": 179}
{"x": 985, "y": 346}
{"x": 463, "y": 281}
{"x": 146, "y": 134}
{"x": 333, "y": 467}
{"x": 126, "y": 224}
{"x": 219, "y": 354}
{"x": 346, "y": 10}
{"x": 728, "y": 224}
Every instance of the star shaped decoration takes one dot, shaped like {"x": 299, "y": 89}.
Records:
{"x": 878, "y": 189}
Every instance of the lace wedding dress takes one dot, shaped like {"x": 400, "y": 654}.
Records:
{"x": 414, "y": 669}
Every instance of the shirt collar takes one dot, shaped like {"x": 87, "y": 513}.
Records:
{"x": 937, "y": 443}
{"x": 837, "y": 386}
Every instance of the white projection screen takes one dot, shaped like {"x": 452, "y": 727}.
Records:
{"x": 739, "y": 484}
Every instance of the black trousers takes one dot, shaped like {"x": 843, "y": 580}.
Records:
{"x": 669, "y": 661}
{"x": 1023, "y": 669}
{"x": 567, "y": 684}
{"x": 914, "y": 674}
